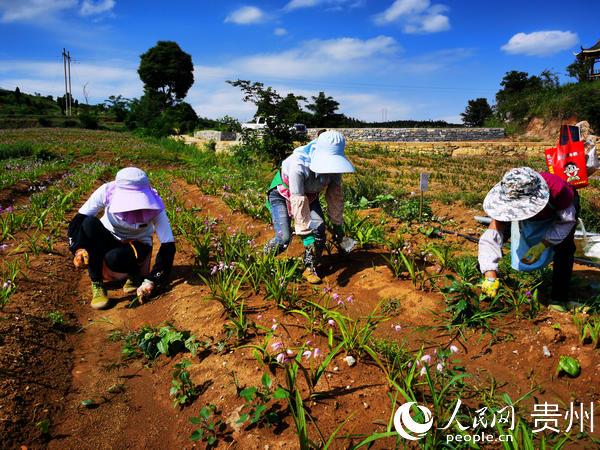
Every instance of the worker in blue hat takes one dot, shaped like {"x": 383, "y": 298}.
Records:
{"x": 294, "y": 193}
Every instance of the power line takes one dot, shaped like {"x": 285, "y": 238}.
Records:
{"x": 376, "y": 85}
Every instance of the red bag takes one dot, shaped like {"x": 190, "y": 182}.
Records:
{"x": 567, "y": 159}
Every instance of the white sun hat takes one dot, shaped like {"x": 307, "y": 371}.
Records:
{"x": 329, "y": 156}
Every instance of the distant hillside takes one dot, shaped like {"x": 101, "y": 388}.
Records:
{"x": 18, "y": 103}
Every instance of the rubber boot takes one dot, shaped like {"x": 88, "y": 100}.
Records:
{"x": 99, "y": 296}
{"x": 311, "y": 259}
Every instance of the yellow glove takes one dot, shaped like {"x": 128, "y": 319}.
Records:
{"x": 490, "y": 286}
{"x": 81, "y": 259}
{"x": 534, "y": 253}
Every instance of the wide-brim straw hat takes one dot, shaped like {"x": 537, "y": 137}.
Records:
{"x": 133, "y": 192}
{"x": 329, "y": 156}
{"x": 520, "y": 195}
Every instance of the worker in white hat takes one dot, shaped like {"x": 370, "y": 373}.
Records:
{"x": 294, "y": 193}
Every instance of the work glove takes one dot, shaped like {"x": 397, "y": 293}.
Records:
{"x": 534, "y": 253}
{"x": 145, "y": 290}
{"x": 81, "y": 259}
{"x": 490, "y": 287}
{"x": 308, "y": 240}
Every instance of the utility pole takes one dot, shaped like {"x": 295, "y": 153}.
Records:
{"x": 64, "y": 55}
{"x": 68, "y": 93}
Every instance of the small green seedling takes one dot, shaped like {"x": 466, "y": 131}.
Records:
{"x": 210, "y": 428}
{"x": 568, "y": 365}
{"x": 182, "y": 390}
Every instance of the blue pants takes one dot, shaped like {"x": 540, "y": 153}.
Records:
{"x": 282, "y": 223}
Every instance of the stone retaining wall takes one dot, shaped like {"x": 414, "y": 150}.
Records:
{"x": 417, "y": 134}
{"x": 212, "y": 135}
{"x": 495, "y": 149}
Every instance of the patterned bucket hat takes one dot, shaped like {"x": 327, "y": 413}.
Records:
{"x": 520, "y": 195}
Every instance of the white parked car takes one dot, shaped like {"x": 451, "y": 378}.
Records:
{"x": 258, "y": 123}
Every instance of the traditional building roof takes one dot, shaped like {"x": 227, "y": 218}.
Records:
{"x": 592, "y": 51}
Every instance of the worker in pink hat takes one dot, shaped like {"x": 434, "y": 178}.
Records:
{"x": 120, "y": 243}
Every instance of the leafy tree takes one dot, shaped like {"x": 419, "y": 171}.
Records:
{"x": 167, "y": 69}
{"x": 580, "y": 69}
{"x": 119, "y": 106}
{"x": 229, "y": 124}
{"x": 549, "y": 79}
{"x": 477, "y": 112}
{"x": 324, "y": 109}
{"x": 17, "y": 95}
{"x": 277, "y": 140}
{"x": 289, "y": 108}
{"x": 266, "y": 99}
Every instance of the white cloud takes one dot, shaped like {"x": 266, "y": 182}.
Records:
{"x": 280, "y": 31}
{"x": 25, "y": 10}
{"x": 102, "y": 79}
{"x": 330, "y": 4}
{"x": 246, "y": 15}
{"x": 540, "y": 43}
{"x": 319, "y": 58}
{"x": 92, "y": 8}
{"x": 415, "y": 16}
{"x": 297, "y": 4}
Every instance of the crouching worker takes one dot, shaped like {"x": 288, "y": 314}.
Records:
{"x": 119, "y": 245}
{"x": 294, "y": 193}
{"x": 543, "y": 210}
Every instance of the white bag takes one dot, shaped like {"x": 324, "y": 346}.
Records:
{"x": 587, "y": 243}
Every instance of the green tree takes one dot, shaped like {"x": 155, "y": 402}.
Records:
{"x": 167, "y": 69}
{"x": 324, "y": 109}
{"x": 119, "y": 106}
{"x": 580, "y": 69}
{"x": 277, "y": 140}
{"x": 17, "y": 95}
{"x": 266, "y": 99}
{"x": 476, "y": 112}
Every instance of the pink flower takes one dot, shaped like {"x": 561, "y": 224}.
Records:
{"x": 277, "y": 345}
{"x": 289, "y": 352}
{"x": 423, "y": 371}
{"x": 316, "y": 353}
{"x": 439, "y": 367}
{"x": 335, "y": 297}
{"x": 426, "y": 358}
{"x": 274, "y": 326}
{"x": 349, "y": 299}
{"x": 454, "y": 349}
{"x": 306, "y": 354}
{"x": 331, "y": 322}
{"x": 396, "y": 327}
{"x": 309, "y": 342}
{"x": 281, "y": 358}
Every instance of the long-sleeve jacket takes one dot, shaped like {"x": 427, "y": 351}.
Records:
{"x": 304, "y": 187}
{"x": 124, "y": 231}
{"x": 560, "y": 207}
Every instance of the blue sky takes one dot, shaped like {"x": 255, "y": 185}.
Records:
{"x": 400, "y": 59}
